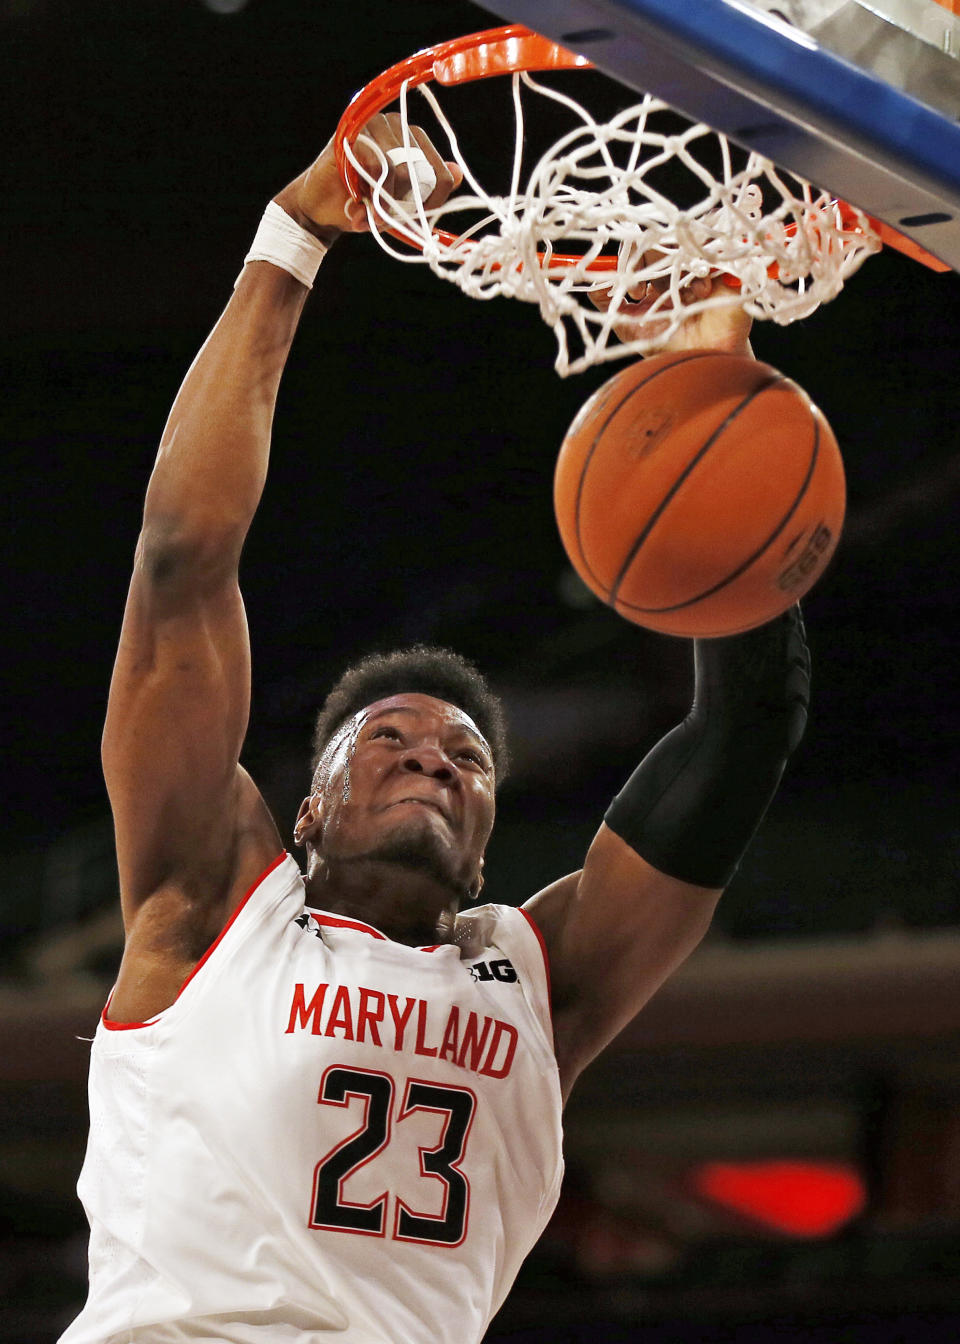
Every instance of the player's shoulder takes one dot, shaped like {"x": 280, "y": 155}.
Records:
{"x": 496, "y": 926}
{"x": 479, "y": 927}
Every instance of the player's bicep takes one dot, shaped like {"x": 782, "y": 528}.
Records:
{"x": 176, "y": 718}
{"x": 615, "y": 932}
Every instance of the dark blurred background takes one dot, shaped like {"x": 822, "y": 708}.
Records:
{"x": 773, "y": 1150}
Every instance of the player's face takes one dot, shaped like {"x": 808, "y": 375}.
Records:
{"x": 410, "y": 779}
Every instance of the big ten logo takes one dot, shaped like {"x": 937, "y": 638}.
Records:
{"x": 808, "y": 559}
{"x": 500, "y": 970}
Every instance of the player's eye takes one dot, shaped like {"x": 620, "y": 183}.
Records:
{"x": 473, "y": 756}
{"x": 386, "y": 731}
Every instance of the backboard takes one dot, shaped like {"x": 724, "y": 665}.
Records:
{"x": 861, "y": 97}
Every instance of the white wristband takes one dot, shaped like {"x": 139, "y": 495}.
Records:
{"x": 280, "y": 240}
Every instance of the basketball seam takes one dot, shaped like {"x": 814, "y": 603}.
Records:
{"x": 655, "y": 373}
{"x": 690, "y": 467}
{"x": 735, "y": 574}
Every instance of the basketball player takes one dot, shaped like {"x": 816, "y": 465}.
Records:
{"x": 328, "y": 1106}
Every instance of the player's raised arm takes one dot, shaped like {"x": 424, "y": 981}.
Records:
{"x": 191, "y": 828}
{"x": 673, "y": 837}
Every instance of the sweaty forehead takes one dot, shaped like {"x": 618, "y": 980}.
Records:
{"x": 420, "y": 708}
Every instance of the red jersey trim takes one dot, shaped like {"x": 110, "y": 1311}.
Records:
{"x": 546, "y": 956}
{"x": 336, "y": 922}
{"x": 132, "y": 1026}
{"x": 121, "y": 1026}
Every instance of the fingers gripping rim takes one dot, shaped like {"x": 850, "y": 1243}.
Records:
{"x": 495, "y": 51}
{"x": 419, "y": 167}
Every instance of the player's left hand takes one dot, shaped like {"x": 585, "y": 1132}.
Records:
{"x": 724, "y": 327}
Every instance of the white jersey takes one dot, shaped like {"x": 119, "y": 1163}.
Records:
{"x": 328, "y": 1134}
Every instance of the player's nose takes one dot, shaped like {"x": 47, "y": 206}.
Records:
{"x": 428, "y": 760}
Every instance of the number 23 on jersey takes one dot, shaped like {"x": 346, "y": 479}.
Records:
{"x": 377, "y": 1093}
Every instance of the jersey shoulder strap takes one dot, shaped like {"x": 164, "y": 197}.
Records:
{"x": 511, "y": 933}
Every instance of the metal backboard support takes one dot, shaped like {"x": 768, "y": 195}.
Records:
{"x": 862, "y": 99}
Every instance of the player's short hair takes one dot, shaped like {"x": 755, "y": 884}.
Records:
{"x": 421, "y": 669}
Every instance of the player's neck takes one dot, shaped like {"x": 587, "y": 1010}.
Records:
{"x": 408, "y": 906}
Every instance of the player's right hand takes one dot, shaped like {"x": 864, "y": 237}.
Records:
{"x": 320, "y": 201}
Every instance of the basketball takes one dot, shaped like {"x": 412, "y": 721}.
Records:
{"x": 699, "y": 493}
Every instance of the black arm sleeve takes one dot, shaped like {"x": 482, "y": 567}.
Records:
{"x": 691, "y": 808}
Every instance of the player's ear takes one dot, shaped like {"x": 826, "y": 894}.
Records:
{"x": 476, "y": 885}
{"x": 309, "y": 821}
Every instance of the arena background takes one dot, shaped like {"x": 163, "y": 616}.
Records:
{"x": 410, "y": 499}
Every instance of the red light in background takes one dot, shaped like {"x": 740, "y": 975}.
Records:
{"x": 801, "y": 1199}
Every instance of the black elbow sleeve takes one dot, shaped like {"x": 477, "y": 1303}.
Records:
{"x": 692, "y": 806}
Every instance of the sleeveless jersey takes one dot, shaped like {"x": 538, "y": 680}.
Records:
{"x": 327, "y": 1135}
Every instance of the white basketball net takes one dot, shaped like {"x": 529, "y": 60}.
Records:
{"x": 788, "y": 244}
